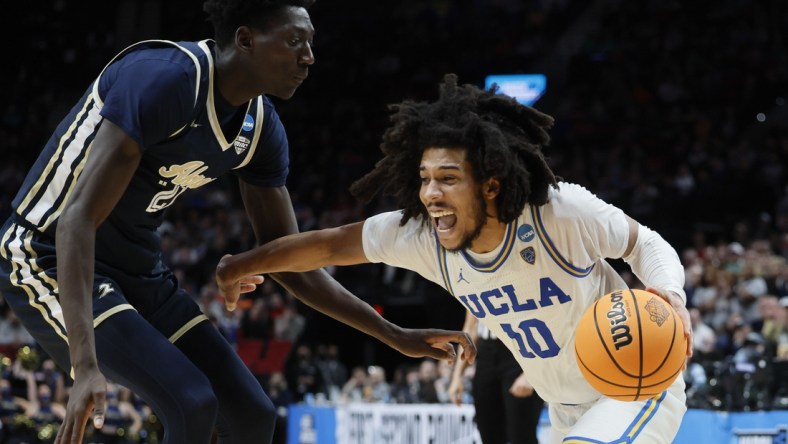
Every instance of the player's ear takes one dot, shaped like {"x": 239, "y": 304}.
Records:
{"x": 491, "y": 188}
{"x": 244, "y": 38}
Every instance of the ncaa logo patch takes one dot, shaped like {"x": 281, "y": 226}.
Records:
{"x": 528, "y": 255}
{"x": 248, "y": 123}
{"x": 525, "y": 233}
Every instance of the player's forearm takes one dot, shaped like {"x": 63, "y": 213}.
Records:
{"x": 657, "y": 264}
{"x": 294, "y": 253}
{"x": 297, "y": 253}
{"x": 75, "y": 242}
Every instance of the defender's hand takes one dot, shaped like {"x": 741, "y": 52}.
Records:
{"x": 233, "y": 289}
{"x": 436, "y": 344}
{"x": 87, "y": 400}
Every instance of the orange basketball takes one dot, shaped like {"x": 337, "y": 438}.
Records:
{"x": 630, "y": 345}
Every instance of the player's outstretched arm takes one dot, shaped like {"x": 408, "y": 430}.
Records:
{"x": 271, "y": 213}
{"x": 108, "y": 171}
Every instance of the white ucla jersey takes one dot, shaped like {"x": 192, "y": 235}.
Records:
{"x": 532, "y": 290}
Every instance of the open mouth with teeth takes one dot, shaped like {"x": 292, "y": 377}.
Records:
{"x": 444, "y": 220}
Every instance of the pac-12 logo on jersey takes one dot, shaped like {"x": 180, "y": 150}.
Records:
{"x": 183, "y": 177}
{"x": 528, "y": 255}
{"x": 525, "y": 233}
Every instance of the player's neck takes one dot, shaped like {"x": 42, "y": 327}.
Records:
{"x": 490, "y": 237}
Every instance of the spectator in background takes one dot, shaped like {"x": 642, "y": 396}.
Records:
{"x": 10, "y": 407}
{"x": 772, "y": 322}
{"x": 303, "y": 374}
{"x": 289, "y": 325}
{"x": 782, "y": 341}
{"x": 256, "y": 321}
{"x": 333, "y": 371}
{"x": 353, "y": 389}
{"x": 376, "y": 388}
{"x": 282, "y": 397}
{"x": 42, "y": 410}
{"x": 443, "y": 382}
{"x": 49, "y": 374}
{"x": 403, "y": 385}
{"x": 428, "y": 375}
{"x": 12, "y": 332}
{"x": 703, "y": 337}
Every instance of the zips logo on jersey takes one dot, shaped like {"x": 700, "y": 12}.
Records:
{"x": 105, "y": 289}
{"x": 526, "y": 233}
{"x": 183, "y": 177}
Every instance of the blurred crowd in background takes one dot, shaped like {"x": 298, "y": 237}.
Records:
{"x": 674, "y": 112}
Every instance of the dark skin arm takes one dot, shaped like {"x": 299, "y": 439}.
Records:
{"x": 108, "y": 170}
{"x": 271, "y": 213}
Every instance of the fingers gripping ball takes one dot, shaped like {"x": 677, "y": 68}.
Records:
{"x": 630, "y": 345}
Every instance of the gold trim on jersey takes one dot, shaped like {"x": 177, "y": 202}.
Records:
{"x": 508, "y": 243}
{"x": 187, "y": 326}
{"x": 32, "y": 279}
{"x": 636, "y": 426}
{"x": 552, "y": 250}
{"x": 258, "y": 127}
{"x": 116, "y": 309}
{"x": 211, "y": 106}
{"x": 508, "y": 246}
{"x": 61, "y": 164}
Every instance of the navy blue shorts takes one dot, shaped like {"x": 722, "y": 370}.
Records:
{"x": 28, "y": 270}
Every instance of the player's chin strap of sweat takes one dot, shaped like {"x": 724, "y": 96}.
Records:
{"x": 656, "y": 263}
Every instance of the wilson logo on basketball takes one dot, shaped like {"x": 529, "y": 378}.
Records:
{"x": 619, "y": 330}
{"x": 657, "y": 312}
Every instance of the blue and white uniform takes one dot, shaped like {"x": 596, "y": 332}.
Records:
{"x": 530, "y": 292}
{"x": 162, "y": 95}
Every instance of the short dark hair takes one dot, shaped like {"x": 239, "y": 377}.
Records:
{"x": 227, "y": 15}
{"x": 502, "y": 138}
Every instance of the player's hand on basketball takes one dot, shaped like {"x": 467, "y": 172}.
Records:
{"x": 681, "y": 310}
{"x": 436, "y": 344}
{"x": 521, "y": 388}
{"x": 232, "y": 289}
{"x": 87, "y": 401}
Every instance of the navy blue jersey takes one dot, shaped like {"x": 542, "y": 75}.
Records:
{"x": 161, "y": 94}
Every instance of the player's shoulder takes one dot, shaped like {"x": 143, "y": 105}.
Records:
{"x": 392, "y": 221}
{"x": 164, "y": 52}
{"x": 569, "y": 194}
{"x": 570, "y": 200}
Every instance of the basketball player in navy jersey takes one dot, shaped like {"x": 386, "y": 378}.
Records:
{"x": 80, "y": 257}
{"x": 484, "y": 216}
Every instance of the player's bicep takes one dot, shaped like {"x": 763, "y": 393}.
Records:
{"x": 113, "y": 159}
{"x": 342, "y": 245}
{"x": 270, "y": 211}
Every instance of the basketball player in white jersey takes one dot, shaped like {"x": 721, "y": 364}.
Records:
{"x": 485, "y": 217}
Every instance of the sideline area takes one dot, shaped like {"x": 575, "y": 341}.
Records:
{"x": 449, "y": 424}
